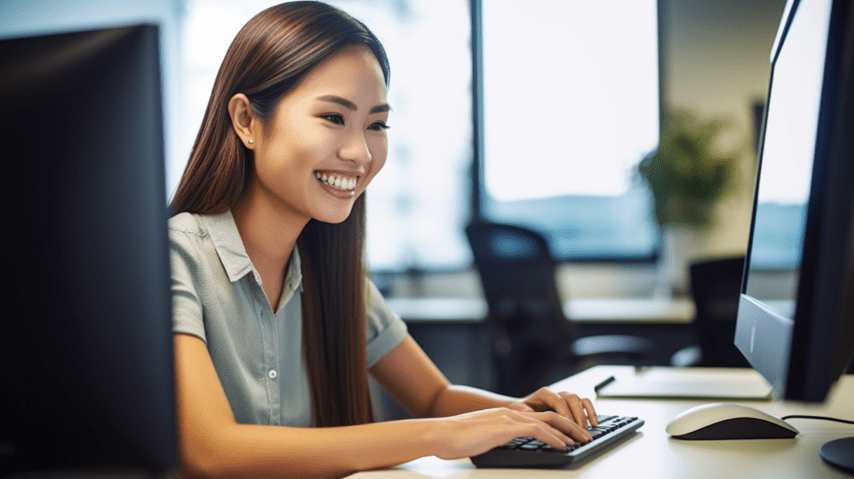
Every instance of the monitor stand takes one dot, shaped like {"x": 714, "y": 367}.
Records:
{"x": 839, "y": 453}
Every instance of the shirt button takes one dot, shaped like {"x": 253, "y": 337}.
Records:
{"x": 272, "y": 374}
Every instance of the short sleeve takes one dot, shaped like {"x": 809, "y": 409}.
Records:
{"x": 186, "y": 306}
{"x": 386, "y": 330}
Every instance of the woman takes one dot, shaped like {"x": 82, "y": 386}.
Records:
{"x": 276, "y": 324}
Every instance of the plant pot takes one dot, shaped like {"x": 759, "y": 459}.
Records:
{"x": 680, "y": 245}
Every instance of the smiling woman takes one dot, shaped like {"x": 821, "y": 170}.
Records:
{"x": 276, "y": 324}
{"x": 275, "y": 54}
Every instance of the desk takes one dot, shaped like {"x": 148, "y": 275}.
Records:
{"x": 581, "y": 310}
{"x": 652, "y": 453}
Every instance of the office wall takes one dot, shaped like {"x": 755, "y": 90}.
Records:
{"x": 717, "y": 63}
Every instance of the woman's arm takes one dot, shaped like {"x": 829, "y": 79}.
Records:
{"x": 212, "y": 444}
{"x": 412, "y": 379}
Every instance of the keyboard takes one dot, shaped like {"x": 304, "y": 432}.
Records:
{"x": 529, "y": 452}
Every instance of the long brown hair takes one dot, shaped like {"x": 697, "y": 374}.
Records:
{"x": 270, "y": 55}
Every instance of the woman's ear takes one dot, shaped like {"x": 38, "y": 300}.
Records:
{"x": 244, "y": 122}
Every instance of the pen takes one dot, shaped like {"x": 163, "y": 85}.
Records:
{"x": 604, "y": 383}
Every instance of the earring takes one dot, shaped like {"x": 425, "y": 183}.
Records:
{"x": 251, "y": 141}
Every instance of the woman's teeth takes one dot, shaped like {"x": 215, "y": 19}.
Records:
{"x": 336, "y": 181}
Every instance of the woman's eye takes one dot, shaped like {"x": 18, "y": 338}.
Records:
{"x": 379, "y": 125}
{"x": 334, "y": 118}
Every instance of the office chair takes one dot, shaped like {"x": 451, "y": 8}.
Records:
{"x": 715, "y": 286}
{"x": 533, "y": 342}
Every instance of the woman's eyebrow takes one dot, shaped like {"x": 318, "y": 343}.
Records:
{"x": 352, "y": 106}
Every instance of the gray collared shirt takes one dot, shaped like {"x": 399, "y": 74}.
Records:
{"x": 217, "y": 296}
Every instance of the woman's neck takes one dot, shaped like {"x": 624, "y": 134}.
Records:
{"x": 269, "y": 235}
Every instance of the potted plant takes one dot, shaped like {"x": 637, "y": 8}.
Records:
{"x": 687, "y": 175}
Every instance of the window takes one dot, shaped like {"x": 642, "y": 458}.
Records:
{"x": 570, "y": 106}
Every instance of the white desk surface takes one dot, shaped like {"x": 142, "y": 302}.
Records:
{"x": 652, "y": 453}
{"x": 584, "y": 310}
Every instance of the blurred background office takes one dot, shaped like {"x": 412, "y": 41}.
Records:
{"x": 549, "y": 70}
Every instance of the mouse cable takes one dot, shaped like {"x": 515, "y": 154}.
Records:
{"x": 820, "y": 418}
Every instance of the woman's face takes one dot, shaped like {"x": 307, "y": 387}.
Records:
{"x": 326, "y": 139}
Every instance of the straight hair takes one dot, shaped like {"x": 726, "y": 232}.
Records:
{"x": 268, "y": 58}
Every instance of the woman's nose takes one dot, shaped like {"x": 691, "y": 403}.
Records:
{"x": 356, "y": 149}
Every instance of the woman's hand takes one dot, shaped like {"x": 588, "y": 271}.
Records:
{"x": 474, "y": 433}
{"x": 563, "y": 403}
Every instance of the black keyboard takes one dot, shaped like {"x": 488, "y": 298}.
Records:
{"x": 529, "y": 452}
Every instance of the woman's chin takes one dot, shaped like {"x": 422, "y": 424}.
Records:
{"x": 335, "y": 217}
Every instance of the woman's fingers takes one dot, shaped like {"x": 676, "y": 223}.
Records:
{"x": 553, "y": 401}
{"x": 476, "y": 432}
{"x": 582, "y": 410}
{"x": 549, "y": 427}
{"x": 565, "y": 425}
{"x": 565, "y": 404}
{"x": 591, "y": 411}
{"x": 552, "y": 436}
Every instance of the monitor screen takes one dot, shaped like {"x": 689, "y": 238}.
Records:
{"x": 799, "y": 333}
{"x": 85, "y": 341}
{"x": 801, "y": 336}
{"x": 785, "y": 179}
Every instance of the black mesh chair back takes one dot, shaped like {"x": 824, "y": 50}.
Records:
{"x": 525, "y": 319}
{"x": 517, "y": 272}
{"x": 533, "y": 341}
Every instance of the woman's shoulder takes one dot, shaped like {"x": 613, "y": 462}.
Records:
{"x": 187, "y": 233}
{"x": 186, "y": 223}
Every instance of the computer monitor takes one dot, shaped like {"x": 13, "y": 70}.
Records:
{"x": 85, "y": 340}
{"x": 801, "y": 336}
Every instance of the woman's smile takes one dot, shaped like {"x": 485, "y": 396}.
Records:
{"x": 338, "y": 184}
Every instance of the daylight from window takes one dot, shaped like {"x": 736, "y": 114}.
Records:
{"x": 571, "y": 106}
{"x": 570, "y": 96}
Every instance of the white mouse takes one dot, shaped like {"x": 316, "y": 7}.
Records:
{"x": 728, "y": 421}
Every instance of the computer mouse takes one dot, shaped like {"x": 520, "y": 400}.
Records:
{"x": 728, "y": 421}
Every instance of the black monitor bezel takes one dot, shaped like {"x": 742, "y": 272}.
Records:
{"x": 86, "y": 342}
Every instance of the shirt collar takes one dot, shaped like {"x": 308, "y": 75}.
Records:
{"x": 293, "y": 278}
{"x": 232, "y": 253}
{"x": 228, "y": 244}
